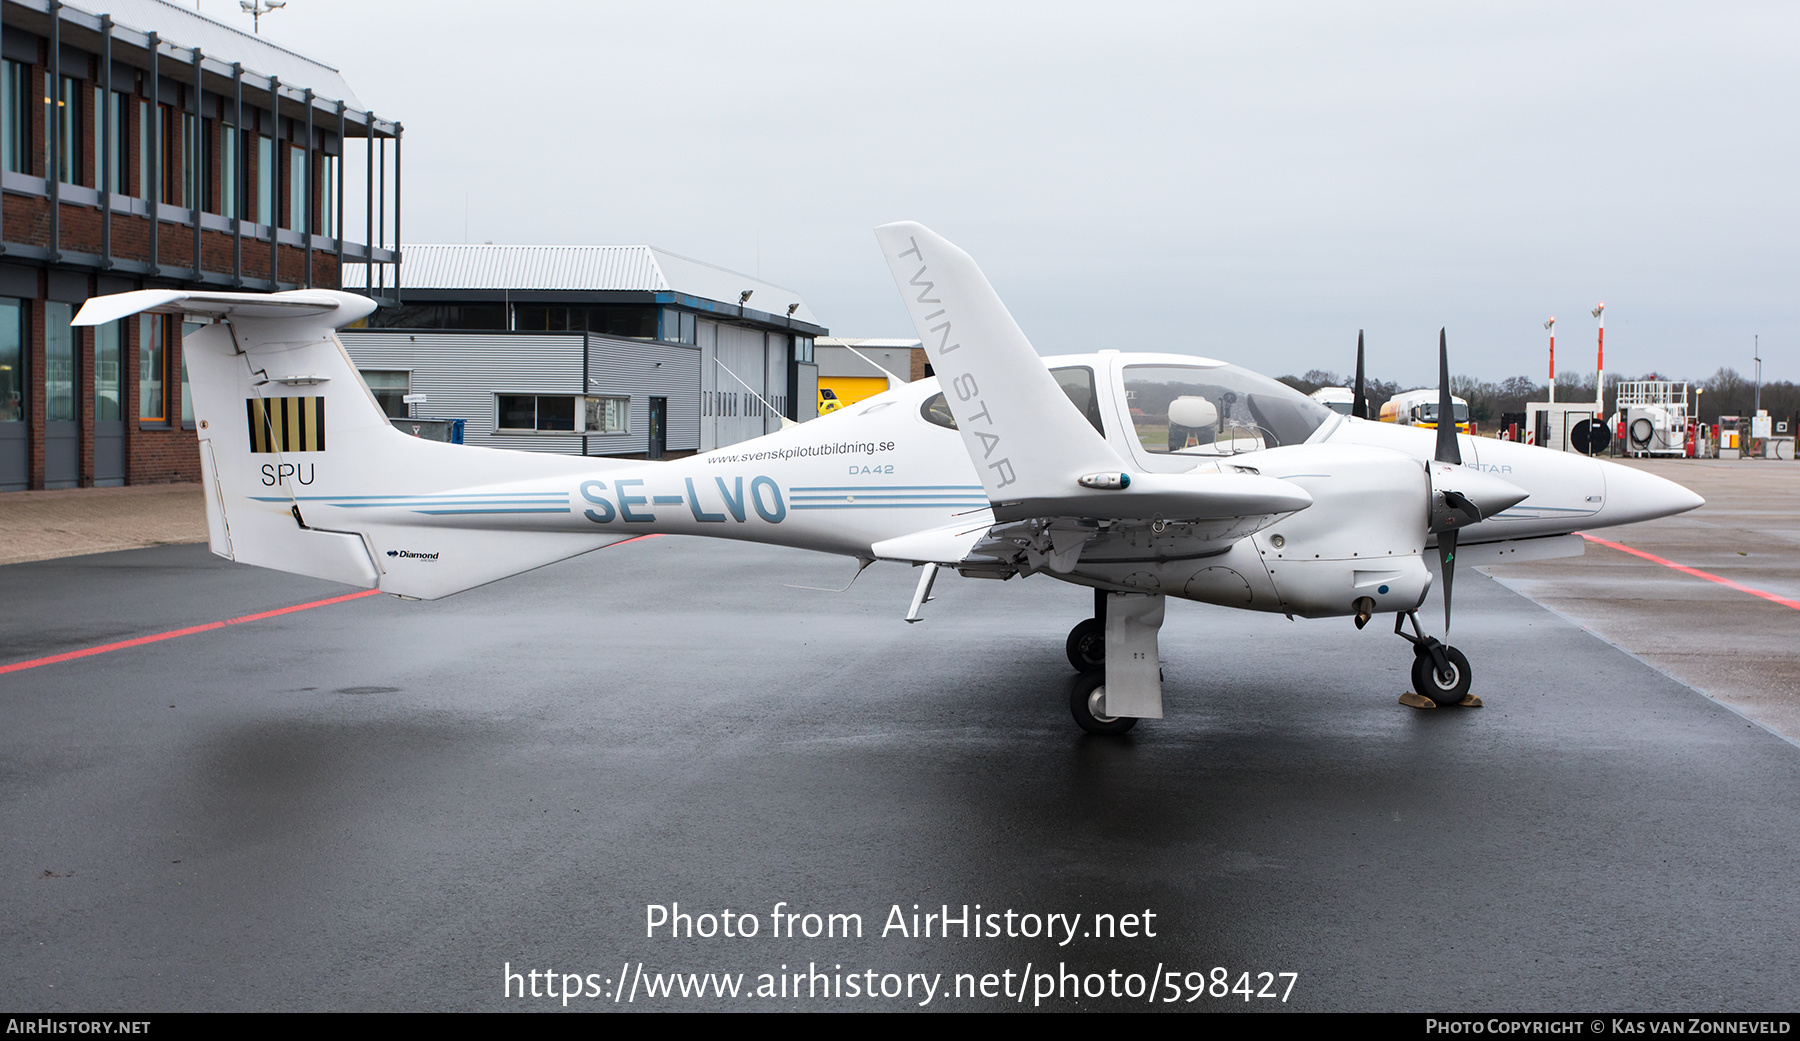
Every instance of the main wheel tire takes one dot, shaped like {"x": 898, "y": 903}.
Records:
{"x": 1086, "y": 646}
{"x": 1086, "y": 699}
{"x": 1428, "y": 683}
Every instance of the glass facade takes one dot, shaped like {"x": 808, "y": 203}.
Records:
{"x": 59, "y": 362}
{"x": 440, "y": 316}
{"x": 109, "y": 369}
{"x": 152, "y": 408}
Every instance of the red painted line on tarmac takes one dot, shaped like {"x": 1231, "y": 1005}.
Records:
{"x": 20, "y": 666}
{"x": 87, "y": 652}
{"x": 1696, "y": 572}
{"x": 634, "y": 538}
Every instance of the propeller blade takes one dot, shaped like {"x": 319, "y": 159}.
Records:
{"x": 1360, "y": 406}
{"x": 1447, "y": 450}
{"x": 1447, "y": 561}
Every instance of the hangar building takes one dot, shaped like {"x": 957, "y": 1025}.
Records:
{"x": 145, "y": 146}
{"x": 854, "y": 368}
{"x": 589, "y": 350}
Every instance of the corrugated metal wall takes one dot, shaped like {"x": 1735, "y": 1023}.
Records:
{"x": 460, "y": 374}
{"x": 708, "y": 337}
{"x": 740, "y": 416}
{"x": 775, "y": 378}
{"x": 645, "y": 370}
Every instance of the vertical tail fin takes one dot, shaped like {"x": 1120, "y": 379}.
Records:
{"x": 1028, "y": 442}
{"x": 303, "y": 472}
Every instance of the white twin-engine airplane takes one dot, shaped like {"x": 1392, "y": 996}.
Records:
{"x": 1143, "y": 476}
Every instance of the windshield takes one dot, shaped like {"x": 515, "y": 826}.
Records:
{"x": 1428, "y": 413}
{"x": 1216, "y": 410}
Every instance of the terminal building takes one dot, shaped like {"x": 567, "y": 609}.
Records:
{"x": 144, "y": 146}
{"x": 588, "y": 350}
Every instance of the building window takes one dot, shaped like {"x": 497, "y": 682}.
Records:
{"x": 152, "y": 408}
{"x": 607, "y": 416}
{"x": 199, "y": 159}
{"x": 146, "y": 150}
{"x": 110, "y": 157}
{"x": 168, "y": 140}
{"x": 109, "y": 364}
{"x": 12, "y": 360}
{"x": 63, "y": 110}
{"x": 440, "y": 316}
{"x": 390, "y": 390}
{"x": 536, "y": 412}
{"x": 803, "y": 348}
{"x": 678, "y": 326}
{"x": 296, "y": 219}
{"x": 627, "y": 321}
{"x": 14, "y": 118}
{"x": 265, "y": 180}
{"x": 193, "y": 161}
{"x": 329, "y": 171}
{"x": 187, "y": 396}
{"x": 231, "y": 145}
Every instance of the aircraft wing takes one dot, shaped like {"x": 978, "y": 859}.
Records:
{"x": 952, "y": 546}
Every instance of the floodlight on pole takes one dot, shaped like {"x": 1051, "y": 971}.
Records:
{"x": 1551, "y": 325}
{"x": 257, "y": 8}
{"x": 1600, "y": 361}
{"x": 1757, "y": 351}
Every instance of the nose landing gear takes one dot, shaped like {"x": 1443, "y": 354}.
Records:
{"x": 1439, "y": 672}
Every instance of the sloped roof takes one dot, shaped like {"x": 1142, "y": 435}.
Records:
{"x": 643, "y": 269}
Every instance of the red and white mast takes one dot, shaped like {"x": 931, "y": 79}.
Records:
{"x": 1551, "y": 325}
{"x": 1600, "y": 365}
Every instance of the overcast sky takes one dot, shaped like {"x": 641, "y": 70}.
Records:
{"x": 1254, "y": 182}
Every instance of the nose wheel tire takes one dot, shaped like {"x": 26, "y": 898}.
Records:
{"x": 1087, "y": 700}
{"x": 1086, "y": 646}
{"x": 1441, "y": 689}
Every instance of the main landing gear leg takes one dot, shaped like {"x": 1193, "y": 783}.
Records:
{"x": 1111, "y": 698}
{"x": 1086, "y": 646}
{"x": 1439, "y": 672}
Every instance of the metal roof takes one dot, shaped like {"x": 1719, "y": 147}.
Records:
{"x": 186, "y": 28}
{"x": 868, "y": 341}
{"x": 644, "y": 269}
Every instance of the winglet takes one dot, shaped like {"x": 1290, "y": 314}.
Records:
{"x": 1028, "y": 442}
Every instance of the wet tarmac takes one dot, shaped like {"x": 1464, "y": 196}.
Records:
{"x": 390, "y": 805}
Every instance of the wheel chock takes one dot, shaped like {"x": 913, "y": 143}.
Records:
{"x": 1469, "y": 701}
{"x": 1412, "y": 700}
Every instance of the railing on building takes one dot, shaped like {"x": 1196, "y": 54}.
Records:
{"x": 256, "y": 257}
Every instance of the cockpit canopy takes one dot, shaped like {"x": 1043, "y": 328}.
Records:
{"x": 1215, "y": 410}
{"x": 1178, "y": 409}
